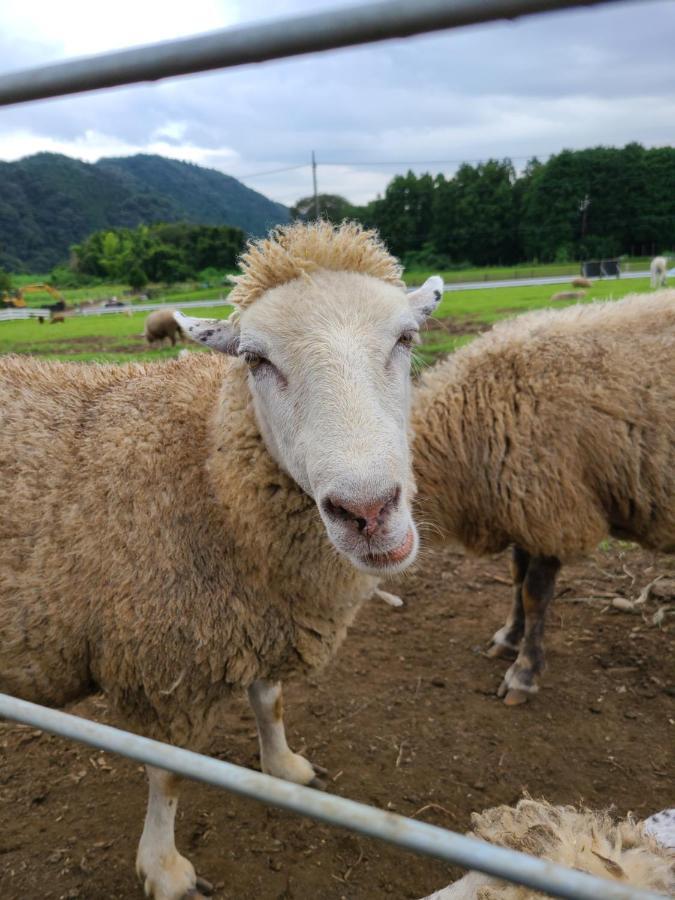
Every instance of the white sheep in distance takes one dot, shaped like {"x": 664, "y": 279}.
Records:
{"x": 225, "y": 517}
{"x": 657, "y": 271}
{"x": 630, "y": 852}
{"x": 550, "y": 433}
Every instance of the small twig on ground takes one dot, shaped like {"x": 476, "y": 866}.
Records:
{"x": 500, "y": 580}
{"x": 431, "y": 806}
{"x": 400, "y": 754}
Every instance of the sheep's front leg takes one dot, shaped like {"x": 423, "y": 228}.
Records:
{"x": 276, "y": 757}
{"x": 506, "y": 642}
{"x": 166, "y": 875}
{"x": 521, "y": 680}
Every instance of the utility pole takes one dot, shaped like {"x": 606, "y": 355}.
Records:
{"x": 316, "y": 196}
{"x": 583, "y": 209}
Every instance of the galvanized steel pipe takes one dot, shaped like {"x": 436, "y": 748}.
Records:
{"x": 407, "y": 833}
{"x": 264, "y": 41}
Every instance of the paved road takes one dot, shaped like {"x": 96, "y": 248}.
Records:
{"x": 525, "y": 282}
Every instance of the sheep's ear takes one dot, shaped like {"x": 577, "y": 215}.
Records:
{"x": 218, "y": 334}
{"x": 424, "y": 300}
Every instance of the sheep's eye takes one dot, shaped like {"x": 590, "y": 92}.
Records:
{"x": 407, "y": 339}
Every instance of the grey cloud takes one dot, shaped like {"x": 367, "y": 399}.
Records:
{"x": 532, "y": 87}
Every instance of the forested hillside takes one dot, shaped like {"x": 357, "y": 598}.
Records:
{"x": 49, "y": 202}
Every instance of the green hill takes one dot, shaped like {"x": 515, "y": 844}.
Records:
{"x": 49, "y": 202}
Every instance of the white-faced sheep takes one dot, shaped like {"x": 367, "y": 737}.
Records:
{"x": 204, "y": 500}
{"x": 161, "y": 324}
{"x": 549, "y": 433}
{"x": 625, "y": 851}
{"x": 657, "y": 271}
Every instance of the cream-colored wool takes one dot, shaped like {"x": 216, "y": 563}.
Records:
{"x": 552, "y": 431}
{"x": 581, "y": 839}
{"x": 294, "y": 251}
{"x": 152, "y": 548}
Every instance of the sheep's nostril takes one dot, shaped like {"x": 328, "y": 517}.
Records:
{"x": 367, "y": 516}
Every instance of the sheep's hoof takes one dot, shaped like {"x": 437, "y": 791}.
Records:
{"x": 501, "y": 651}
{"x": 518, "y": 685}
{"x": 201, "y": 891}
{"x": 515, "y": 697}
{"x": 320, "y": 780}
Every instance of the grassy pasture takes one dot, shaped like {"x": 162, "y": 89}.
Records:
{"x": 118, "y": 338}
{"x": 114, "y": 337}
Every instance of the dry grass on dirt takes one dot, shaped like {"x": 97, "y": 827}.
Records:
{"x": 406, "y": 718}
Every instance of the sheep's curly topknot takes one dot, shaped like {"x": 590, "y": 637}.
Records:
{"x": 293, "y": 251}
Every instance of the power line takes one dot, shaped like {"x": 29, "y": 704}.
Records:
{"x": 271, "y": 171}
{"x": 389, "y": 162}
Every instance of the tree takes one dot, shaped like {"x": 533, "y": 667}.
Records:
{"x": 137, "y": 278}
{"x": 332, "y": 207}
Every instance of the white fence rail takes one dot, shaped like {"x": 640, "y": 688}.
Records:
{"x": 11, "y": 315}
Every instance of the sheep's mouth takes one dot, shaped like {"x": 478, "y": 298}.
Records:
{"x": 392, "y": 557}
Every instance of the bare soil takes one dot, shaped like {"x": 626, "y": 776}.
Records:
{"x": 406, "y": 718}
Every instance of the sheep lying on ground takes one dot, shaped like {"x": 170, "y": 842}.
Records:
{"x": 592, "y": 842}
{"x": 581, "y": 282}
{"x": 657, "y": 270}
{"x": 225, "y": 517}
{"x": 551, "y": 432}
{"x": 161, "y": 324}
{"x": 568, "y": 295}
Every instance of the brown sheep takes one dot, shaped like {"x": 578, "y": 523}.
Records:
{"x": 581, "y": 282}
{"x": 549, "y": 433}
{"x": 160, "y": 324}
{"x": 227, "y": 514}
{"x": 568, "y": 295}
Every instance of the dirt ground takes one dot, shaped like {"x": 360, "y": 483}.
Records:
{"x": 406, "y": 718}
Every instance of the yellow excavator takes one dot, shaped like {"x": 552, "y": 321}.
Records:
{"x": 17, "y": 300}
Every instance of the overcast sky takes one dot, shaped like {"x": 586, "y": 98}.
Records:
{"x": 533, "y": 87}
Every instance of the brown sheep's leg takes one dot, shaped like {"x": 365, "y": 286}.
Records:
{"x": 276, "y": 757}
{"x": 522, "y": 678}
{"x": 506, "y": 642}
{"x": 166, "y": 875}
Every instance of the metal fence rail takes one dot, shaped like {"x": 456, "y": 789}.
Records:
{"x": 269, "y": 40}
{"x": 222, "y": 49}
{"x": 409, "y": 834}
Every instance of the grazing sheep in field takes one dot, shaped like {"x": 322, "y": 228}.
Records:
{"x": 549, "y": 433}
{"x": 226, "y": 517}
{"x": 581, "y": 282}
{"x": 625, "y": 851}
{"x": 161, "y": 324}
{"x": 568, "y": 295}
{"x": 657, "y": 270}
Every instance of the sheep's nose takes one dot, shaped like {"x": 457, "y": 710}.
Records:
{"x": 366, "y": 516}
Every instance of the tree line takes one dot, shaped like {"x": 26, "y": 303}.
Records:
{"x": 580, "y": 204}
{"x": 167, "y": 252}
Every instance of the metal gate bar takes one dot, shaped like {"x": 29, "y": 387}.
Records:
{"x": 410, "y": 834}
{"x": 269, "y": 40}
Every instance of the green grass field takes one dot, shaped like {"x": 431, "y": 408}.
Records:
{"x": 118, "y": 338}
{"x": 109, "y": 338}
